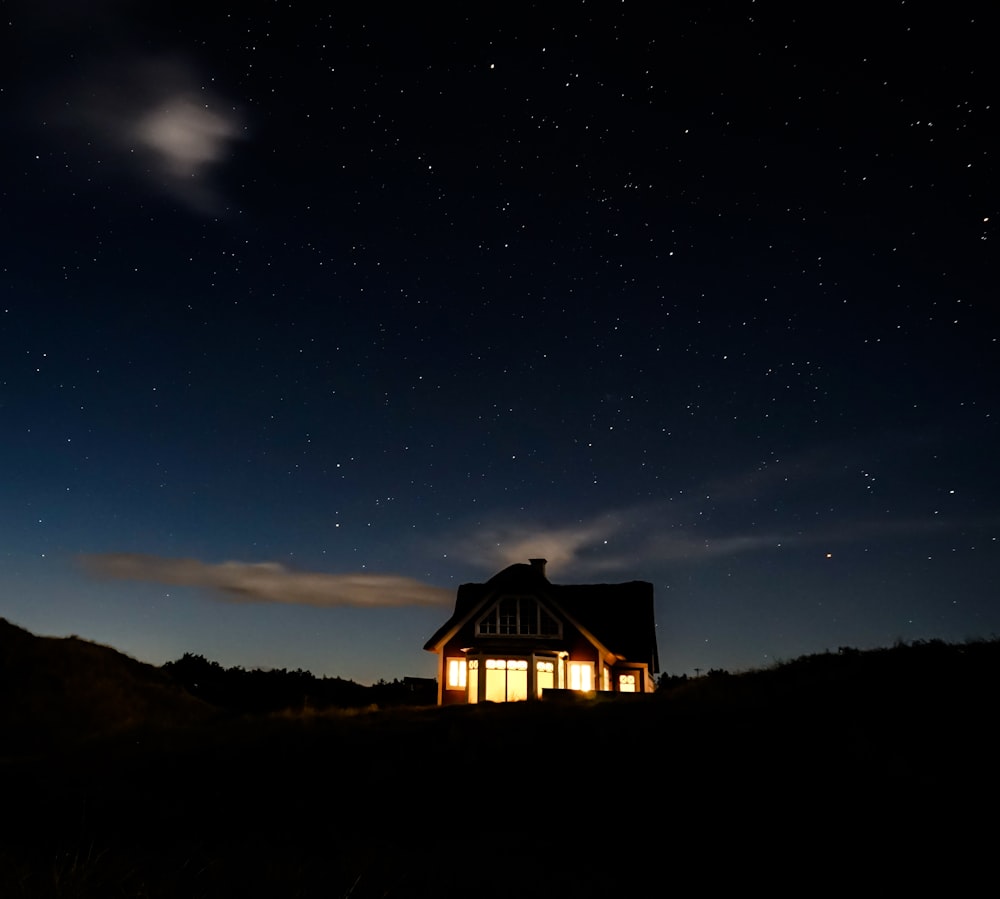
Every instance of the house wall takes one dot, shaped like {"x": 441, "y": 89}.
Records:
{"x": 644, "y": 681}
{"x": 580, "y": 648}
{"x": 453, "y": 649}
{"x": 577, "y": 646}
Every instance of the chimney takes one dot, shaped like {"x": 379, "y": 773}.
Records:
{"x": 538, "y": 566}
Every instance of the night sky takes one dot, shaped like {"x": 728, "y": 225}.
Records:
{"x": 308, "y": 317}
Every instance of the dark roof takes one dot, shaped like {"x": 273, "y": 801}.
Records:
{"x": 620, "y": 616}
{"x": 517, "y": 576}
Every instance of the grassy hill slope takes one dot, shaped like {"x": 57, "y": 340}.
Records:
{"x": 55, "y": 692}
{"x": 869, "y": 768}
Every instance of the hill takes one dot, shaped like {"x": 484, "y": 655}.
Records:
{"x": 55, "y": 692}
{"x": 871, "y": 767}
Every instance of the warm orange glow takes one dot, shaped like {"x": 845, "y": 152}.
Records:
{"x": 626, "y": 683}
{"x": 474, "y": 680}
{"x": 517, "y": 683}
{"x": 545, "y": 677}
{"x": 506, "y": 680}
{"x": 456, "y": 674}
{"x": 496, "y": 683}
{"x": 581, "y": 676}
{"x": 509, "y": 664}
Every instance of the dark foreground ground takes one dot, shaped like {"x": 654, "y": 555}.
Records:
{"x": 825, "y": 777}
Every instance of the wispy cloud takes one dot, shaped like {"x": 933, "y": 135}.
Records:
{"x": 618, "y": 541}
{"x": 504, "y": 544}
{"x": 255, "y": 582}
{"x": 157, "y": 118}
{"x": 633, "y": 538}
{"x": 185, "y": 133}
{"x": 765, "y": 508}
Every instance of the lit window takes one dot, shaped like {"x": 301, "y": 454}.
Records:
{"x": 456, "y": 674}
{"x": 506, "y": 680}
{"x": 545, "y": 676}
{"x": 581, "y": 676}
{"x": 626, "y": 683}
{"x": 473, "y": 680}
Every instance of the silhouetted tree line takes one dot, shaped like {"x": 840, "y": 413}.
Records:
{"x": 258, "y": 691}
{"x": 667, "y": 682}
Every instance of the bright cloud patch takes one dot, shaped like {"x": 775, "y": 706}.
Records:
{"x": 158, "y": 119}
{"x": 184, "y": 135}
{"x": 576, "y": 545}
{"x": 268, "y": 581}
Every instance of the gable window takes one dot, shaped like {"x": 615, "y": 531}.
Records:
{"x": 456, "y": 674}
{"x": 518, "y": 616}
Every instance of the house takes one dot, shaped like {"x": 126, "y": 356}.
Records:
{"x": 518, "y": 636}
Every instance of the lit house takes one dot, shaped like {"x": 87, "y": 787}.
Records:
{"x": 518, "y": 635}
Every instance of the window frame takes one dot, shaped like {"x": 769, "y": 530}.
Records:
{"x": 516, "y": 677}
{"x": 496, "y": 620}
{"x": 575, "y": 669}
{"x": 456, "y": 665}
